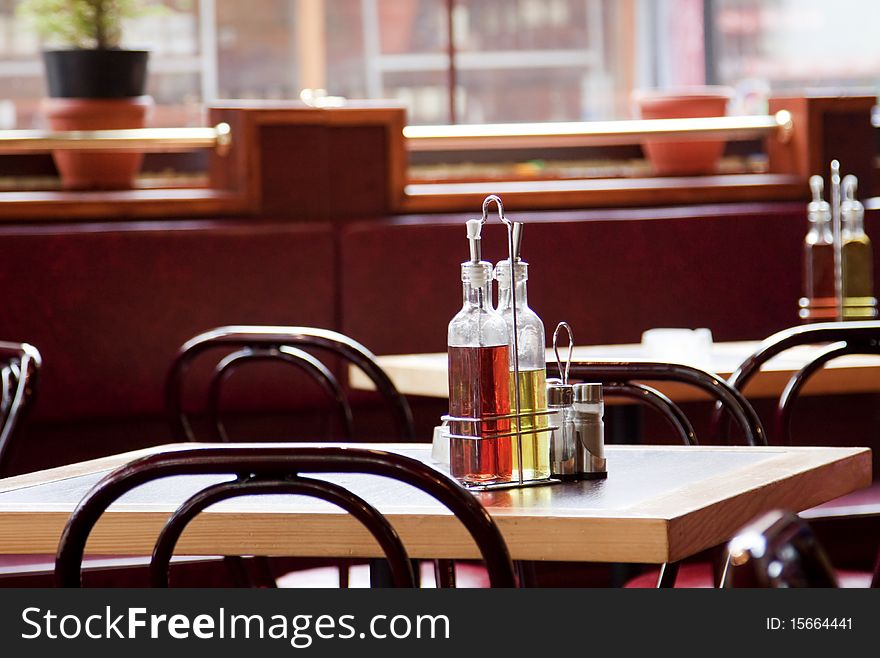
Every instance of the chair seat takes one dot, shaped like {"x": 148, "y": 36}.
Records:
{"x": 861, "y": 503}
{"x": 699, "y": 575}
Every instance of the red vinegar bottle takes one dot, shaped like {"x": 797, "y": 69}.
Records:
{"x": 479, "y": 398}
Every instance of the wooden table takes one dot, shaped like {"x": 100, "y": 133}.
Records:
{"x": 426, "y": 374}
{"x": 659, "y": 503}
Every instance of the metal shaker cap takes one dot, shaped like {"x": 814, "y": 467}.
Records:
{"x": 559, "y": 394}
{"x": 587, "y": 393}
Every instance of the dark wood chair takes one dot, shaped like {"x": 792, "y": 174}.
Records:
{"x": 777, "y": 550}
{"x": 860, "y": 509}
{"x": 267, "y": 470}
{"x": 627, "y": 379}
{"x": 20, "y": 365}
{"x": 19, "y": 377}
{"x": 234, "y": 347}
{"x": 840, "y": 338}
{"x": 246, "y": 344}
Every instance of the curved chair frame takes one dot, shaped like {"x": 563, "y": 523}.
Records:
{"x": 619, "y": 378}
{"x": 400, "y": 566}
{"x": 279, "y": 342}
{"x": 283, "y": 354}
{"x": 844, "y": 337}
{"x": 777, "y": 550}
{"x": 622, "y": 376}
{"x": 658, "y": 401}
{"x": 260, "y": 469}
{"x": 19, "y": 378}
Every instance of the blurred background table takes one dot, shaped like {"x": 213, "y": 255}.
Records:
{"x": 426, "y": 374}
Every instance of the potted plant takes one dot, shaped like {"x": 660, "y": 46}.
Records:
{"x": 93, "y": 83}
{"x": 689, "y": 157}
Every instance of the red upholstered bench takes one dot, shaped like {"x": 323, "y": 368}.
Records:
{"x": 108, "y": 304}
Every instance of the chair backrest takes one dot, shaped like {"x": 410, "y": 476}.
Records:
{"x": 261, "y": 470}
{"x": 626, "y": 379}
{"x": 285, "y": 345}
{"x": 842, "y": 338}
{"x": 19, "y": 373}
{"x": 777, "y": 550}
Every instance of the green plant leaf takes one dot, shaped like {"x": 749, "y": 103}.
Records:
{"x": 84, "y": 23}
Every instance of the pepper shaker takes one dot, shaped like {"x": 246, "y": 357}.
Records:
{"x": 560, "y": 396}
{"x": 563, "y": 464}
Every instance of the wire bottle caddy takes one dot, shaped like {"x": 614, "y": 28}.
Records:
{"x": 498, "y": 421}
{"x": 480, "y": 456}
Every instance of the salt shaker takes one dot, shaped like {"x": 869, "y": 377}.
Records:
{"x": 588, "y": 408}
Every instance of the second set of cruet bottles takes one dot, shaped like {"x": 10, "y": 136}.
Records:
{"x": 489, "y": 442}
{"x": 838, "y": 262}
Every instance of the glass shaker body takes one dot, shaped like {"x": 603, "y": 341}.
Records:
{"x": 479, "y": 357}
{"x": 563, "y": 448}
{"x": 532, "y": 373}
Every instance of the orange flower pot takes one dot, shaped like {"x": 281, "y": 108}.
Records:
{"x": 688, "y": 157}
{"x": 90, "y": 170}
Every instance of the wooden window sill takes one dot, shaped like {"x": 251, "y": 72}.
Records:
{"x": 120, "y": 204}
{"x": 608, "y": 192}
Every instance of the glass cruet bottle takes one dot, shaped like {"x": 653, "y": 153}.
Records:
{"x": 820, "y": 297}
{"x": 859, "y": 302}
{"x": 479, "y": 399}
{"x": 532, "y": 371}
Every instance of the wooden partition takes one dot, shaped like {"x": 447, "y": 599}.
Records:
{"x": 307, "y": 164}
{"x": 292, "y": 162}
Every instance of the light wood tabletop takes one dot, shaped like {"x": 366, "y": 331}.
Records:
{"x": 659, "y": 503}
{"x": 426, "y": 374}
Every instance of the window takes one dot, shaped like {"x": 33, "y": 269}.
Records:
{"x": 474, "y": 61}
{"x": 467, "y": 61}
{"x": 759, "y": 46}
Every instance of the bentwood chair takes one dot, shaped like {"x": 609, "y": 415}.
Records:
{"x": 19, "y": 376}
{"x": 287, "y": 345}
{"x": 840, "y": 339}
{"x": 260, "y": 470}
{"x": 20, "y": 365}
{"x": 778, "y": 550}
{"x": 237, "y": 346}
{"x": 860, "y": 511}
{"x": 627, "y": 379}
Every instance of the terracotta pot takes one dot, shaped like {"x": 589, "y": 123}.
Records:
{"x": 689, "y": 157}
{"x": 89, "y": 170}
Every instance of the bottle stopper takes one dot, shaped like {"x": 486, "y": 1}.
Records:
{"x": 474, "y": 228}
{"x": 851, "y": 208}
{"x": 818, "y": 210}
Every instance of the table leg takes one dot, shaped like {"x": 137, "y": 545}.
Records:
{"x": 623, "y": 426}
